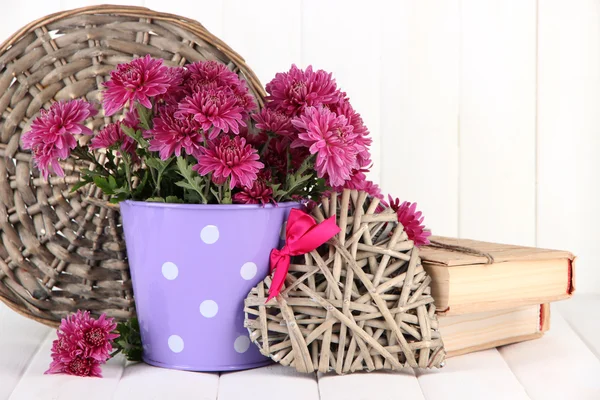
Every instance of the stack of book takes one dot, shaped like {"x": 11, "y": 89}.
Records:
{"x": 489, "y": 294}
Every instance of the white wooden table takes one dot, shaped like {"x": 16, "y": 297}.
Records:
{"x": 564, "y": 364}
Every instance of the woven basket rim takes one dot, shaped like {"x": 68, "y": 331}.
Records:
{"x": 141, "y": 12}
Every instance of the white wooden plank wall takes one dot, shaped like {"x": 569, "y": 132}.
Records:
{"x": 497, "y": 121}
{"x": 485, "y": 113}
{"x": 419, "y": 108}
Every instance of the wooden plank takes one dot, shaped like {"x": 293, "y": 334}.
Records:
{"x": 35, "y": 385}
{"x": 343, "y": 37}
{"x": 419, "y": 108}
{"x": 497, "y": 121}
{"x": 275, "y": 381}
{"x": 142, "y": 381}
{"x": 556, "y": 366}
{"x": 568, "y": 139}
{"x": 576, "y": 312}
{"x": 381, "y": 385}
{"x": 481, "y": 375}
{"x": 20, "y": 338}
{"x": 208, "y": 13}
{"x": 272, "y": 44}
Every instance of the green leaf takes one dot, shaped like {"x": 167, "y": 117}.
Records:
{"x": 156, "y": 200}
{"x": 135, "y": 135}
{"x": 145, "y": 115}
{"x": 173, "y": 199}
{"x": 90, "y": 172}
{"x": 119, "y": 198}
{"x": 130, "y": 341}
{"x": 192, "y": 181}
{"x": 142, "y": 185}
{"x": 104, "y": 185}
{"x": 112, "y": 182}
{"x": 216, "y": 194}
{"x": 81, "y": 184}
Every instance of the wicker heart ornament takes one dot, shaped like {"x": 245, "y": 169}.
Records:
{"x": 360, "y": 302}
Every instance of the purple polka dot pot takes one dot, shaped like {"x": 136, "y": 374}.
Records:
{"x": 192, "y": 266}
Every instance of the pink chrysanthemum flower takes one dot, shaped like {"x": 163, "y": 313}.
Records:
{"x": 411, "y": 220}
{"x": 51, "y": 136}
{"x": 83, "y": 344}
{"x": 244, "y": 99}
{"x": 259, "y": 193}
{"x": 229, "y": 158}
{"x": 93, "y": 336}
{"x": 46, "y": 159}
{"x": 137, "y": 81}
{"x": 293, "y": 91}
{"x": 274, "y": 121}
{"x": 358, "y": 181}
{"x": 362, "y": 139}
{"x": 132, "y": 119}
{"x": 78, "y": 366}
{"x": 254, "y": 138}
{"x": 330, "y": 137}
{"x": 177, "y": 89}
{"x": 215, "y": 111}
{"x": 211, "y": 74}
{"x": 171, "y": 135}
{"x": 112, "y": 136}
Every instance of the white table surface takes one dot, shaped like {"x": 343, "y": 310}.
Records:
{"x": 564, "y": 364}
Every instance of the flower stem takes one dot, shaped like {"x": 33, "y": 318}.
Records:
{"x": 127, "y": 163}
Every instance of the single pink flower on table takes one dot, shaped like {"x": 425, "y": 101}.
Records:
{"x": 330, "y": 137}
{"x": 170, "y": 135}
{"x": 112, "y": 136}
{"x": 51, "y": 137}
{"x": 137, "y": 81}
{"x": 274, "y": 121}
{"x": 93, "y": 336}
{"x": 229, "y": 158}
{"x": 215, "y": 111}
{"x": 78, "y": 366}
{"x": 411, "y": 220}
{"x": 83, "y": 344}
{"x": 293, "y": 91}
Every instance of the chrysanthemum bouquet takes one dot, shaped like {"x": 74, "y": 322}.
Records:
{"x": 194, "y": 134}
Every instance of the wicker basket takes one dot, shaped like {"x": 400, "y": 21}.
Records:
{"x": 62, "y": 251}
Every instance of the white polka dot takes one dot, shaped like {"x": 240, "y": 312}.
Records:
{"x": 209, "y": 308}
{"x": 241, "y": 344}
{"x": 209, "y": 234}
{"x": 170, "y": 270}
{"x": 248, "y": 270}
{"x": 176, "y": 343}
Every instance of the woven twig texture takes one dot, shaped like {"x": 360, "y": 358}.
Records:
{"x": 361, "y": 302}
{"x": 63, "y": 251}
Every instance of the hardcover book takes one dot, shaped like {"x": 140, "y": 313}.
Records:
{"x": 468, "y": 333}
{"x": 470, "y": 276}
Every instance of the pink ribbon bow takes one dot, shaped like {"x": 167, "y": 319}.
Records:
{"x": 302, "y": 235}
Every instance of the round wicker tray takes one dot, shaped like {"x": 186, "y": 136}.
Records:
{"x": 62, "y": 251}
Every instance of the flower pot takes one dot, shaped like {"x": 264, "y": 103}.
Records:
{"x": 192, "y": 267}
